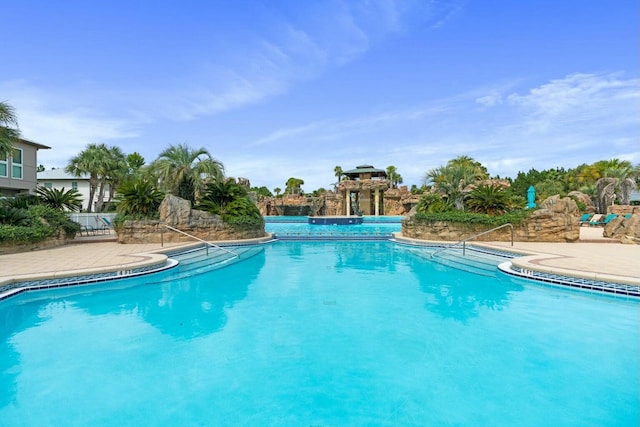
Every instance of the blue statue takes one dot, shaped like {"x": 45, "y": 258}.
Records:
{"x": 531, "y": 197}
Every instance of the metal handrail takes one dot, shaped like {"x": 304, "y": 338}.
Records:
{"x": 464, "y": 241}
{"x": 206, "y": 244}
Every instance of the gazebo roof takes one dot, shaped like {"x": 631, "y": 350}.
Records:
{"x": 365, "y": 169}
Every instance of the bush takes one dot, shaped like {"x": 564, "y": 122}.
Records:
{"x": 139, "y": 197}
{"x": 40, "y": 222}
{"x": 513, "y": 217}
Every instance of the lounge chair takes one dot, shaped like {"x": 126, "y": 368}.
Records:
{"x": 595, "y": 220}
{"x": 87, "y": 230}
{"x": 103, "y": 224}
{"x": 584, "y": 219}
{"x": 106, "y": 221}
{"x": 604, "y": 221}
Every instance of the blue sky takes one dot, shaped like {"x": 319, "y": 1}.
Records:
{"x": 279, "y": 89}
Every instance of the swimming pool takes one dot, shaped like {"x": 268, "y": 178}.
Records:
{"x": 294, "y": 227}
{"x": 319, "y": 333}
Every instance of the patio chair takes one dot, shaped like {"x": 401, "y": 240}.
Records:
{"x": 106, "y": 221}
{"x": 595, "y": 220}
{"x": 87, "y": 230}
{"x": 103, "y": 225}
{"x": 584, "y": 219}
{"x": 605, "y": 221}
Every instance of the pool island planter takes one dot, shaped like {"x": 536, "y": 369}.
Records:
{"x": 335, "y": 220}
{"x": 155, "y": 232}
{"x": 177, "y": 213}
{"x": 556, "y": 221}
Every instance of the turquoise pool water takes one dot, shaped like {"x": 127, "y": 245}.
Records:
{"x": 322, "y": 334}
{"x": 298, "y": 226}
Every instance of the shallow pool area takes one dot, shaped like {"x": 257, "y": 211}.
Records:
{"x": 297, "y": 227}
{"x": 319, "y": 333}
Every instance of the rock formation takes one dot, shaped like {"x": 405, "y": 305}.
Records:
{"x": 177, "y": 213}
{"x": 555, "y": 221}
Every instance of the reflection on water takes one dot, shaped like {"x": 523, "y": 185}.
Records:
{"x": 187, "y": 307}
{"x": 459, "y": 295}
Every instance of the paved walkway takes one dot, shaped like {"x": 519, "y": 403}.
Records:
{"x": 592, "y": 257}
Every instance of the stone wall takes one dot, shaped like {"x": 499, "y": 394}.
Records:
{"x": 623, "y": 209}
{"x": 51, "y": 242}
{"x": 625, "y": 230}
{"x": 397, "y": 201}
{"x": 177, "y": 213}
{"x": 155, "y": 232}
{"x": 555, "y": 221}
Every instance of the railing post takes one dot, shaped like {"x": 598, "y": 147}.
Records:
{"x": 464, "y": 248}
{"x": 511, "y": 235}
{"x": 162, "y": 238}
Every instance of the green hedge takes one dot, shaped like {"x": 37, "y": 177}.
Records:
{"x": 513, "y": 217}
{"x": 43, "y": 222}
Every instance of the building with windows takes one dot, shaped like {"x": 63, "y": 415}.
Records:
{"x": 18, "y": 170}
{"x": 59, "y": 179}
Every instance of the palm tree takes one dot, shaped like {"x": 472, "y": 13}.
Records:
{"x": 277, "y": 190}
{"x": 451, "y": 182}
{"x": 183, "y": 171}
{"x": 293, "y": 186}
{"x": 88, "y": 163}
{"x": 466, "y": 161}
{"x": 70, "y": 200}
{"x": 338, "y": 173}
{"x": 116, "y": 170}
{"x": 393, "y": 176}
{"x": 9, "y": 132}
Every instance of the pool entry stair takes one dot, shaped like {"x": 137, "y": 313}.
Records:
{"x": 473, "y": 260}
{"x": 199, "y": 261}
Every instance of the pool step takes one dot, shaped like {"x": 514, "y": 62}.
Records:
{"x": 199, "y": 262}
{"x": 481, "y": 263}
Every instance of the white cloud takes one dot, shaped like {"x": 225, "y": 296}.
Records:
{"x": 580, "y": 97}
{"x": 66, "y": 131}
{"x": 490, "y": 100}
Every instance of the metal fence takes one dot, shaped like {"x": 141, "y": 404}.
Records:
{"x": 92, "y": 220}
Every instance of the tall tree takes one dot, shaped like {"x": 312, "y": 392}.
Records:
{"x": 337, "y": 171}
{"x": 453, "y": 180}
{"x": 88, "y": 163}
{"x": 293, "y": 186}
{"x": 393, "y": 176}
{"x": 183, "y": 171}
{"x": 116, "y": 170}
{"x": 9, "y": 132}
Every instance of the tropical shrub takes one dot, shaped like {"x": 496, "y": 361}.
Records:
{"x": 21, "y": 201}
{"x": 41, "y": 222}
{"x": 218, "y": 194}
{"x": 14, "y": 216}
{"x": 230, "y": 201}
{"x": 514, "y": 217}
{"x": 139, "y": 197}
{"x": 433, "y": 202}
{"x": 488, "y": 199}
{"x": 59, "y": 199}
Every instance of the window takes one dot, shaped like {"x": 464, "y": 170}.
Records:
{"x": 16, "y": 164}
{"x": 3, "y": 165}
{"x": 74, "y": 185}
{"x": 47, "y": 185}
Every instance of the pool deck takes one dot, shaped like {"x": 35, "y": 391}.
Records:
{"x": 593, "y": 256}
